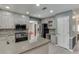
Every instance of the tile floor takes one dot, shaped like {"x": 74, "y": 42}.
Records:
{"x": 53, "y": 49}
{"x": 49, "y": 49}
{"x": 76, "y": 48}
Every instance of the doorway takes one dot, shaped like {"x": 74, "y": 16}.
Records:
{"x": 45, "y": 30}
{"x": 33, "y": 31}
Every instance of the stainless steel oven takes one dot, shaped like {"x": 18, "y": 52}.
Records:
{"x": 21, "y": 33}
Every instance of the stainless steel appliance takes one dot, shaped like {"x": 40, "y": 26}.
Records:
{"x": 21, "y": 33}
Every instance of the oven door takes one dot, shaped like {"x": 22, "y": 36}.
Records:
{"x": 20, "y": 37}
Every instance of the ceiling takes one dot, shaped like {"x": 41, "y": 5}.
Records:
{"x": 41, "y": 11}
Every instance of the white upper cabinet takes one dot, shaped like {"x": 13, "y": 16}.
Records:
{"x": 19, "y": 19}
{"x": 52, "y": 23}
{"x": 6, "y": 20}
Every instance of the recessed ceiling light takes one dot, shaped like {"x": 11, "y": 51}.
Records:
{"x": 27, "y": 12}
{"x": 7, "y": 7}
{"x": 37, "y": 4}
{"x": 51, "y": 11}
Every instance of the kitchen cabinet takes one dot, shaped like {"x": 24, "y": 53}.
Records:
{"x": 3, "y": 45}
{"x": 7, "y": 44}
{"x": 18, "y": 19}
{"x": 52, "y": 23}
{"x": 6, "y": 20}
{"x": 9, "y": 20}
{"x": 53, "y": 39}
{"x": 11, "y": 39}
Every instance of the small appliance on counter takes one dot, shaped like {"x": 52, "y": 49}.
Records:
{"x": 21, "y": 33}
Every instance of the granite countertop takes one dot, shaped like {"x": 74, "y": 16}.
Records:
{"x": 4, "y": 34}
{"x": 29, "y": 46}
{"x": 21, "y": 47}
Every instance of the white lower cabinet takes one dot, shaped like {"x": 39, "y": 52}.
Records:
{"x": 11, "y": 44}
{"x": 53, "y": 39}
{"x": 2, "y": 44}
{"x": 7, "y": 44}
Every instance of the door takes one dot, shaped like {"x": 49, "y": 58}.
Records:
{"x": 45, "y": 30}
{"x": 63, "y": 31}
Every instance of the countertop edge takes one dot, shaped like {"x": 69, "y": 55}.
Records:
{"x": 35, "y": 47}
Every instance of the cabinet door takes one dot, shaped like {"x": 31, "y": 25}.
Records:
{"x": 0, "y": 21}
{"x": 3, "y": 45}
{"x": 52, "y": 23}
{"x": 7, "y": 21}
{"x": 6, "y": 44}
{"x": 18, "y": 19}
{"x": 11, "y": 39}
